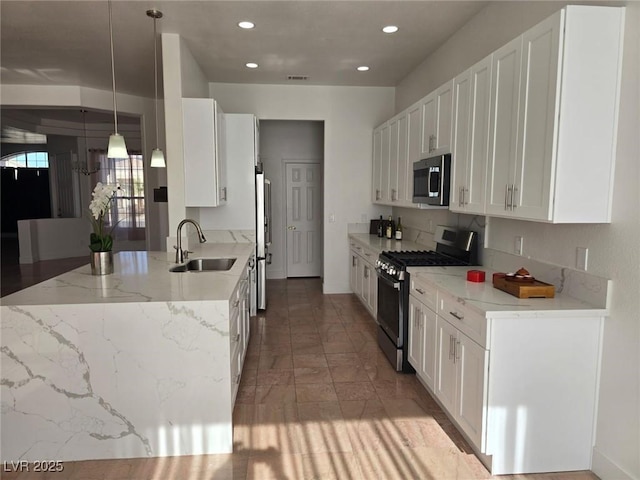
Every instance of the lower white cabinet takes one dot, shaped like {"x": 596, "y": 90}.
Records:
{"x": 521, "y": 386}
{"x": 422, "y": 341}
{"x": 239, "y": 331}
{"x": 362, "y": 276}
{"x": 461, "y": 379}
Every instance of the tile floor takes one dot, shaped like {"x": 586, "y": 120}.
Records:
{"x": 318, "y": 401}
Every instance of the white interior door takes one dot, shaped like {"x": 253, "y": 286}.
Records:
{"x": 304, "y": 219}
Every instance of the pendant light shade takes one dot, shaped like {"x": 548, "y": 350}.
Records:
{"x": 157, "y": 157}
{"x": 117, "y": 147}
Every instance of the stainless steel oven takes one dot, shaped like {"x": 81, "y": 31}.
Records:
{"x": 453, "y": 248}
{"x": 432, "y": 180}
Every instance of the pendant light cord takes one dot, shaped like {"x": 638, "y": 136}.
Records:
{"x": 113, "y": 72}
{"x": 155, "y": 75}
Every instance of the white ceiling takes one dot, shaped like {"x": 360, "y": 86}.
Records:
{"x": 67, "y": 43}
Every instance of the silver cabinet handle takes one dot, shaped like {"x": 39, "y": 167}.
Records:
{"x": 237, "y": 378}
{"x": 451, "y": 354}
{"x": 223, "y": 194}
{"x": 354, "y": 261}
{"x": 420, "y": 291}
{"x": 377, "y": 194}
{"x": 366, "y": 272}
{"x": 456, "y": 351}
{"x": 457, "y": 315}
{"x": 465, "y": 200}
{"x": 236, "y": 303}
{"x": 506, "y": 197}
{"x": 394, "y": 195}
{"x": 514, "y": 191}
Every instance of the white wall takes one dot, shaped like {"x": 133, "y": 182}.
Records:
{"x": 280, "y": 142}
{"x": 91, "y": 98}
{"x": 349, "y": 115}
{"x": 614, "y": 250}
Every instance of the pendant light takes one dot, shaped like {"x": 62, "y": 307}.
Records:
{"x": 117, "y": 147}
{"x": 157, "y": 157}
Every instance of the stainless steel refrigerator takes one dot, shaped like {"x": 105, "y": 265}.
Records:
{"x": 263, "y": 235}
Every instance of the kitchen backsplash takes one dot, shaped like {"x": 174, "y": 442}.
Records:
{"x": 230, "y": 236}
{"x": 574, "y": 283}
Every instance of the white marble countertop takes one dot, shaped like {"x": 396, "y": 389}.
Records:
{"x": 493, "y": 303}
{"x": 141, "y": 277}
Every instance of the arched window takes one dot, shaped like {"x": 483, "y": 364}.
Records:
{"x": 26, "y": 160}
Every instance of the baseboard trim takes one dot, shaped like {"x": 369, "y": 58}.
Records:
{"x": 606, "y": 469}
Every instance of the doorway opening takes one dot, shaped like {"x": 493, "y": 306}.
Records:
{"x": 292, "y": 154}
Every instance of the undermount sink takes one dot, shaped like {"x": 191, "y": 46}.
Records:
{"x": 205, "y": 265}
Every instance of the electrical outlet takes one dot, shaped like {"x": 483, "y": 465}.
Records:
{"x": 582, "y": 254}
{"x": 332, "y": 218}
{"x": 518, "y": 245}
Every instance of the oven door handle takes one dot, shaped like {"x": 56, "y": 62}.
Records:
{"x": 395, "y": 285}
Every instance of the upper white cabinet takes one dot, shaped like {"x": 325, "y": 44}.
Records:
{"x": 437, "y": 113}
{"x": 204, "y": 153}
{"x": 553, "y": 118}
{"x": 381, "y": 158}
{"x": 414, "y": 149}
{"x": 472, "y": 94}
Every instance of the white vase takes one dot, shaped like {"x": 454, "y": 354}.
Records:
{"x": 101, "y": 263}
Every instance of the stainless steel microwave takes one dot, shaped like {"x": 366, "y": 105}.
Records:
{"x": 432, "y": 180}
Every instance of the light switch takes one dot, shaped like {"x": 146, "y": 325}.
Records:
{"x": 582, "y": 255}
{"x": 332, "y": 218}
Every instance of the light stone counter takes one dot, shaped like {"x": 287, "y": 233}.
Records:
{"x": 493, "y": 303}
{"x": 132, "y": 364}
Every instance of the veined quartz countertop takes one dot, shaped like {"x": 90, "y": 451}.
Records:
{"x": 493, "y": 303}
{"x": 141, "y": 277}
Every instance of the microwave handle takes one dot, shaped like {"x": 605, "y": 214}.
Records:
{"x": 429, "y": 183}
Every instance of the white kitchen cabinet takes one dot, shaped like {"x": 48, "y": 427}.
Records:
{"x": 414, "y": 147}
{"x": 355, "y": 280}
{"x": 472, "y": 93}
{"x": 422, "y": 352}
{"x": 398, "y": 158}
{"x": 553, "y": 116}
{"x": 238, "y": 331}
{"x": 381, "y": 159}
{"x": 204, "y": 153}
{"x": 362, "y": 276}
{"x": 437, "y": 116}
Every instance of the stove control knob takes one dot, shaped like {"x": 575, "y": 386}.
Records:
{"x": 392, "y": 271}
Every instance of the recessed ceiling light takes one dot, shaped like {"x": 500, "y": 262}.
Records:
{"x": 246, "y": 24}
{"x": 363, "y": 68}
{"x": 252, "y": 65}
{"x": 390, "y": 29}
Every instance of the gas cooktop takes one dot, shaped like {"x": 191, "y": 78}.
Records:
{"x": 418, "y": 258}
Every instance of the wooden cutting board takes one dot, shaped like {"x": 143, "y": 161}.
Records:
{"x": 535, "y": 289}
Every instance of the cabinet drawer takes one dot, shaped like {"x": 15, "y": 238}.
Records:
{"x": 464, "y": 319}
{"x": 369, "y": 256}
{"x": 424, "y": 292}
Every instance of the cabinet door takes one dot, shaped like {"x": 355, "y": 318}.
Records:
{"x": 539, "y": 83}
{"x": 427, "y": 368}
{"x": 472, "y": 362}
{"x": 354, "y": 279}
{"x": 403, "y": 167}
{"x": 461, "y": 122}
{"x": 478, "y": 153}
{"x": 429, "y": 111}
{"x": 377, "y": 165}
{"x": 221, "y": 155}
{"x": 505, "y": 74}
{"x": 444, "y": 118}
{"x": 394, "y": 142}
{"x": 414, "y": 145}
{"x": 202, "y": 159}
{"x": 446, "y": 368}
{"x": 385, "y": 159}
{"x": 365, "y": 274}
{"x": 415, "y": 334}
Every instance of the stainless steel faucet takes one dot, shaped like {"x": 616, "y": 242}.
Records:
{"x": 181, "y": 255}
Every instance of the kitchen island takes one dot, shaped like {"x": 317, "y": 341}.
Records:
{"x": 137, "y": 363}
